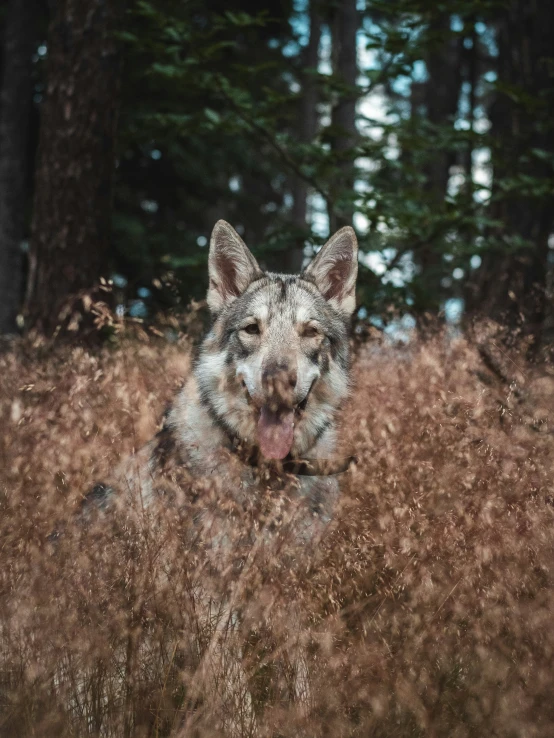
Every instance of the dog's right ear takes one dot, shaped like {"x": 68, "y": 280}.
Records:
{"x": 231, "y": 266}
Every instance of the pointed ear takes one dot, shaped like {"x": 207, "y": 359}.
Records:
{"x": 334, "y": 270}
{"x": 231, "y": 266}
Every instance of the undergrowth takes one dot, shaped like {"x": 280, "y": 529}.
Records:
{"x": 425, "y": 610}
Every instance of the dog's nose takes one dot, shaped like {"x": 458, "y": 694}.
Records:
{"x": 279, "y": 380}
{"x": 281, "y": 372}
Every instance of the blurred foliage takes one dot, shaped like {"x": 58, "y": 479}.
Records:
{"x": 194, "y": 71}
{"x": 209, "y": 129}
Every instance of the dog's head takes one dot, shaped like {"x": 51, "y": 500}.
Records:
{"x": 274, "y": 367}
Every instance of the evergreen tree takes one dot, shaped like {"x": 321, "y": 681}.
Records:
{"x": 72, "y": 208}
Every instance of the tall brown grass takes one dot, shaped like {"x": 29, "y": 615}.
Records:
{"x": 425, "y": 610}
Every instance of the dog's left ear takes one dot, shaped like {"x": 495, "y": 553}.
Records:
{"x": 231, "y": 266}
{"x": 334, "y": 271}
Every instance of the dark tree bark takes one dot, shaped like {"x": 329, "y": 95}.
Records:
{"x": 307, "y": 131}
{"x": 344, "y": 27}
{"x": 441, "y": 94}
{"x": 73, "y": 201}
{"x": 511, "y": 284}
{"x": 15, "y": 107}
{"x": 471, "y": 77}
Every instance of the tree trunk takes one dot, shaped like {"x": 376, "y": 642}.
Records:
{"x": 511, "y": 284}
{"x": 441, "y": 94}
{"x": 15, "y": 107}
{"x": 471, "y": 78}
{"x": 307, "y": 131}
{"x": 73, "y": 201}
{"x": 344, "y": 28}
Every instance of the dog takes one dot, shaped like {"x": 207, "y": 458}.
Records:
{"x": 261, "y": 402}
{"x": 246, "y": 454}
{"x": 271, "y": 374}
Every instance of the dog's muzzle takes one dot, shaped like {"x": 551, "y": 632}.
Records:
{"x": 279, "y": 410}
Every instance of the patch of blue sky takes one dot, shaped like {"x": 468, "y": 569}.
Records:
{"x": 361, "y": 223}
{"x": 456, "y": 181}
{"x": 419, "y": 72}
{"x": 456, "y": 24}
{"x": 324, "y": 66}
{"x": 290, "y": 49}
{"x": 402, "y": 85}
{"x": 234, "y": 183}
{"x": 318, "y": 215}
{"x": 149, "y": 206}
{"x": 402, "y": 274}
{"x": 453, "y": 310}
{"x": 378, "y": 261}
{"x": 367, "y": 164}
{"x": 119, "y": 280}
{"x": 137, "y": 309}
{"x": 374, "y": 260}
{"x": 482, "y": 173}
{"x": 299, "y": 21}
{"x": 401, "y": 330}
{"x": 487, "y": 37}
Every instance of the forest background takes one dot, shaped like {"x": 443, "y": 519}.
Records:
{"x": 128, "y": 128}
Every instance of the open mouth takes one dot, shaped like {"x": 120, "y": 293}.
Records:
{"x": 276, "y": 427}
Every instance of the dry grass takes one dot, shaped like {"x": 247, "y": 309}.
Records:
{"x": 425, "y": 611}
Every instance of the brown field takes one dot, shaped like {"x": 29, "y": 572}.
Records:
{"x": 426, "y": 610}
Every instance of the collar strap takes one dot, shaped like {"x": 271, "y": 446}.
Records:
{"x": 302, "y": 467}
{"x": 297, "y": 467}
{"x": 319, "y": 467}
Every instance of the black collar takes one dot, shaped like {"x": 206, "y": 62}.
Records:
{"x": 297, "y": 467}
{"x": 319, "y": 467}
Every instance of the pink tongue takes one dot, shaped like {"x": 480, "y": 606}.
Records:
{"x": 275, "y": 432}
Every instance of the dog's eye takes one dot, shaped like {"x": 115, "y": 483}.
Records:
{"x": 253, "y": 329}
{"x": 311, "y": 331}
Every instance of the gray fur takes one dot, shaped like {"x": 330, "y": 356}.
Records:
{"x": 295, "y": 356}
